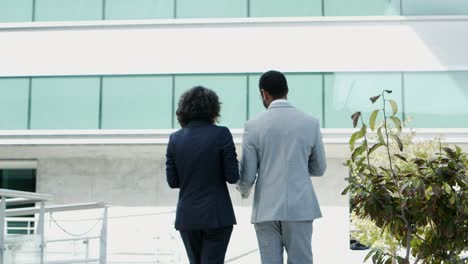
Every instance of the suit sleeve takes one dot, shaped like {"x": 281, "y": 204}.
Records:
{"x": 317, "y": 159}
{"x": 249, "y": 163}
{"x": 171, "y": 172}
{"x": 229, "y": 157}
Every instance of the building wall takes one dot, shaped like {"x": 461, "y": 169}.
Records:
{"x": 134, "y": 175}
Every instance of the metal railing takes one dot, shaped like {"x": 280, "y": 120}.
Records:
{"x": 8, "y": 216}
{"x": 10, "y": 197}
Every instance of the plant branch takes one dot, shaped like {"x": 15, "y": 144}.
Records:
{"x": 409, "y": 230}
{"x": 387, "y": 136}
{"x": 367, "y": 146}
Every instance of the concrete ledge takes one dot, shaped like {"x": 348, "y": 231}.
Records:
{"x": 161, "y": 136}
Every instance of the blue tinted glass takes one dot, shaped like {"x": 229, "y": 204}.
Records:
{"x": 14, "y": 103}
{"x": 231, "y": 90}
{"x": 437, "y": 99}
{"x": 137, "y": 102}
{"x": 347, "y": 93}
{"x": 65, "y": 103}
{"x": 435, "y": 7}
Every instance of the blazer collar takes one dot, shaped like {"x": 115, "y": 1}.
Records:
{"x": 280, "y": 104}
{"x": 197, "y": 123}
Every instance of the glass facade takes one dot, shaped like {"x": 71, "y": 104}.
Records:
{"x": 285, "y": 8}
{"x": 65, "y": 103}
{"x": 362, "y": 7}
{"x": 16, "y": 10}
{"x": 150, "y": 101}
{"x": 437, "y": 99}
{"x": 138, "y": 9}
{"x": 74, "y": 10}
{"x": 68, "y": 10}
{"x": 14, "y": 103}
{"x": 346, "y": 93}
{"x": 211, "y": 8}
{"x": 231, "y": 89}
{"x": 305, "y": 93}
{"x": 434, "y": 7}
{"x": 137, "y": 102}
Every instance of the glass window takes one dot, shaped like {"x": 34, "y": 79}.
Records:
{"x": 282, "y": 8}
{"x": 362, "y": 7}
{"x": 68, "y": 10}
{"x": 16, "y": 10}
{"x": 435, "y": 7}
{"x": 139, "y": 9}
{"x": 437, "y": 99}
{"x": 347, "y": 93}
{"x": 19, "y": 180}
{"x": 305, "y": 93}
{"x": 65, "y": 103}
{"x": 14, "y": 103}
{"x": 137, "y": 102}
{"x": 211, "y": 8}
{"x": 231, "y": 90}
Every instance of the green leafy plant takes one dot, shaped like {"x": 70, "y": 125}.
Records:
{"x": 419, "y": 197}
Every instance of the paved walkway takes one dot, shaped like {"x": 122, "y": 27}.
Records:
{"x": 146, "y": 235}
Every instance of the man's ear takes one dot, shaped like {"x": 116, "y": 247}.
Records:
{"x": 265, "y": 95}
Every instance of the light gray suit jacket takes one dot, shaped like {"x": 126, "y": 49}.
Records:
{"x": 282, "y": 147}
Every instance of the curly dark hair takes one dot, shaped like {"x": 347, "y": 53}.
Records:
{"x": 198, "y": 103}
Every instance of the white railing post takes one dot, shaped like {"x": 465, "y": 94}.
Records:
{"x": 103, "y": 239}
{"x": 2, "y": 227}
{"x": 40, "y": 231}
{"x": 86, "y": 242}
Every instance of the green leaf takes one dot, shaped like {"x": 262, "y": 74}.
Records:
{"x": 401, "y": 157}
{"x": 459, "y": 150}
{"x": 369, "y": 254}
{"x": 394, "y": 106}
{"x": 375, "y": 98}
{"x": 359, "y": 150}
{"x": 352, "y": 140}
{"x": 372, "y": 119}
{"x": 449, "y": 152}
{"x": 398, "y": 140}
{"x": 397, "y": 122}
{"x": 381, "y": 138}
{"x": 346, "y": 190}
{"x": 356, "y": 136}
{"x": 419, "y": 162}
{"x": 355, "y": 118}
{"x": 375, "y": 147}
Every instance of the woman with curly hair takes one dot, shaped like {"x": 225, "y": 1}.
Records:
{"x": 200, "y": 159}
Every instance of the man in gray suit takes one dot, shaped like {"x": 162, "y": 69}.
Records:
{"x": 282, "y": 147}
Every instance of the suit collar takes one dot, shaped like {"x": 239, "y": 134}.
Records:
{"x": 197, "y": 123}
{"x": 281, "y": 103}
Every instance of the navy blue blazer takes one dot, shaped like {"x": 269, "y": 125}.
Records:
{"x": 200, "y": 159}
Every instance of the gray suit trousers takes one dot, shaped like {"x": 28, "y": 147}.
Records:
{"x": 294, "y": 236}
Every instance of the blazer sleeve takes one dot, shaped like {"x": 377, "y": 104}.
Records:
{"x": 249, "y": 163}
{"x": 317, "y": 158}
{"x": 229, "y": 157}
{"x": 171, "y": 172}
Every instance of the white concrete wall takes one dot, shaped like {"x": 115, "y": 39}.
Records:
{"x": 324, "y": 44}
{"x": 133, "y": 175}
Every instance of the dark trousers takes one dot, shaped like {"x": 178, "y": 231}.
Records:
{"x": 206, "y": 246}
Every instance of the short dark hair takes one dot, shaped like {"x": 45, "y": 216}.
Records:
{"x": 198, "y": 103}
{"x": 274, "y": 82}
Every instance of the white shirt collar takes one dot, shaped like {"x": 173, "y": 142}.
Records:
{"x": 277, "y": 101}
